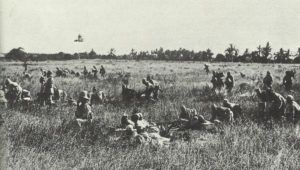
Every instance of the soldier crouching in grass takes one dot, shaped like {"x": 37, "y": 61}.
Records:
{"x": 292, "y": 110}
{"x": 83, "y": 114}
{"x": 221, "y": 114}
{"x": 13, "y": 94}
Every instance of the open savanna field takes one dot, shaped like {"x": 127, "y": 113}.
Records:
{"x": 41, "y": 138}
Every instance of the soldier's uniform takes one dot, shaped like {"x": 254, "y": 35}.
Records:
{"x": 125, "y": 121}
{"x": 292, "y": 110}
{"x": 277, "y": 104}
{"x": 156, "y": 87}
{"x": 85, "y": 72}
{"x": 149, "y": 89}
{"x": 268, "y": 80}
{"x": 229, "y": 82}
{"x": 83, "y": 112}
{"x": 235, "y": 108}
{"x": 221, "y": 114}
{"x": 41, "y": 97}
{"x": 102, "y": 71}
{"x": 49, "y": 88}
{"x": 95, "y": 71}
{"x": 206, "y": 68}
{"x": 287, "y": 81}
{"x": 214, "y": 80}
{"x": 14, "y": 93}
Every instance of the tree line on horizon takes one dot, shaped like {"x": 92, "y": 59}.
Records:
{"x": 263, "y": 54}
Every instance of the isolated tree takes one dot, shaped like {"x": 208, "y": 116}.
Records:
{"x": 297, "y": 58}
{"x": 220, "y": 57}
{"x": 92, "y": 53}
{"x": 111, "y": 53}
{"x": 279, "y": 56}
{"x": 133, "y": 54}
{"x": 231, "y": 53}
{"x": 266, "y": 52}
{"x": 207, "y": 55}
{"x": 17, "y": 54}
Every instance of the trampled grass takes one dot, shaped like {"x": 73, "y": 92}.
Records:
{"x": 42, "y": 138}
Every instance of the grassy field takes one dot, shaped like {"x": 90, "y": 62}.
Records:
{"x": 41, "y": 138}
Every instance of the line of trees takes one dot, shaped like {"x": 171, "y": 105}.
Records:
{"x": 231, "y": 54}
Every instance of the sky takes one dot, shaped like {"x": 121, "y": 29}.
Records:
{"x": 51, "y": 26}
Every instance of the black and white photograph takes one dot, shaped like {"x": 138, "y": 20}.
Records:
{"x": 149, "y": 84}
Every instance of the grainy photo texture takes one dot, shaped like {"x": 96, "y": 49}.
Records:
{"x": 149, "y": 84}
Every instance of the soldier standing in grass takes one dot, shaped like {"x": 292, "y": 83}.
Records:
{"x": 25, "y": 64}
{"x": 14, "y": 92}
{"x": 206, "y": 68}
{"x": 102, "y": 71}
{"x": 49, "y": 88}
{"x": 95, "y": 71}
{"x": 268, "y": 80}
{"x": 214, "y": 80}
{"x": 287, "y": 80}
{"x": 229, "y": 82}
{"x": 42, "y": 91}
{"x": 292, "y": 110}
{"x": 85, "y": 72}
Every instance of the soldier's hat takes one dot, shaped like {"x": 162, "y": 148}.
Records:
{"x": 84, "y": 95}
{"x": 290, "y": 98}
{"x": 268, "y": 72}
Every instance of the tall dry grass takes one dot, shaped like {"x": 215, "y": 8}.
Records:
{"x": 42, "y": 138}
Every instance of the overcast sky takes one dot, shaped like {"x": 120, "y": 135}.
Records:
{"x": 50, "y": 26}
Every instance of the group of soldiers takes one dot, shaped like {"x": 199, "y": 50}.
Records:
{"x": 94, "y": 71}
{"x": 272, "y": 105}
{"x": 218, "y": 83}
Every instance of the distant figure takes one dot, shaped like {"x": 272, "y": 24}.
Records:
{"x": 59, "y": 72}
{"x": 79, "y": 39}
{"x": 102, "y": 71}
{"x": 85, "y": 71}
{"x": 95, "y": 71}
{"x": 25, "y": 64}
{"x": 206, "y": 68}
{"x": 217, "y": 80}
{"x": 292, "y": 110}
{"x": 268, "y": 80}
{"x": 229, "y": 82}
{"x": 287, "y": 80}
{"x": 41, "y": 95}
{"x": 214, "y": 80}
{"x": 49, "y": 88}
